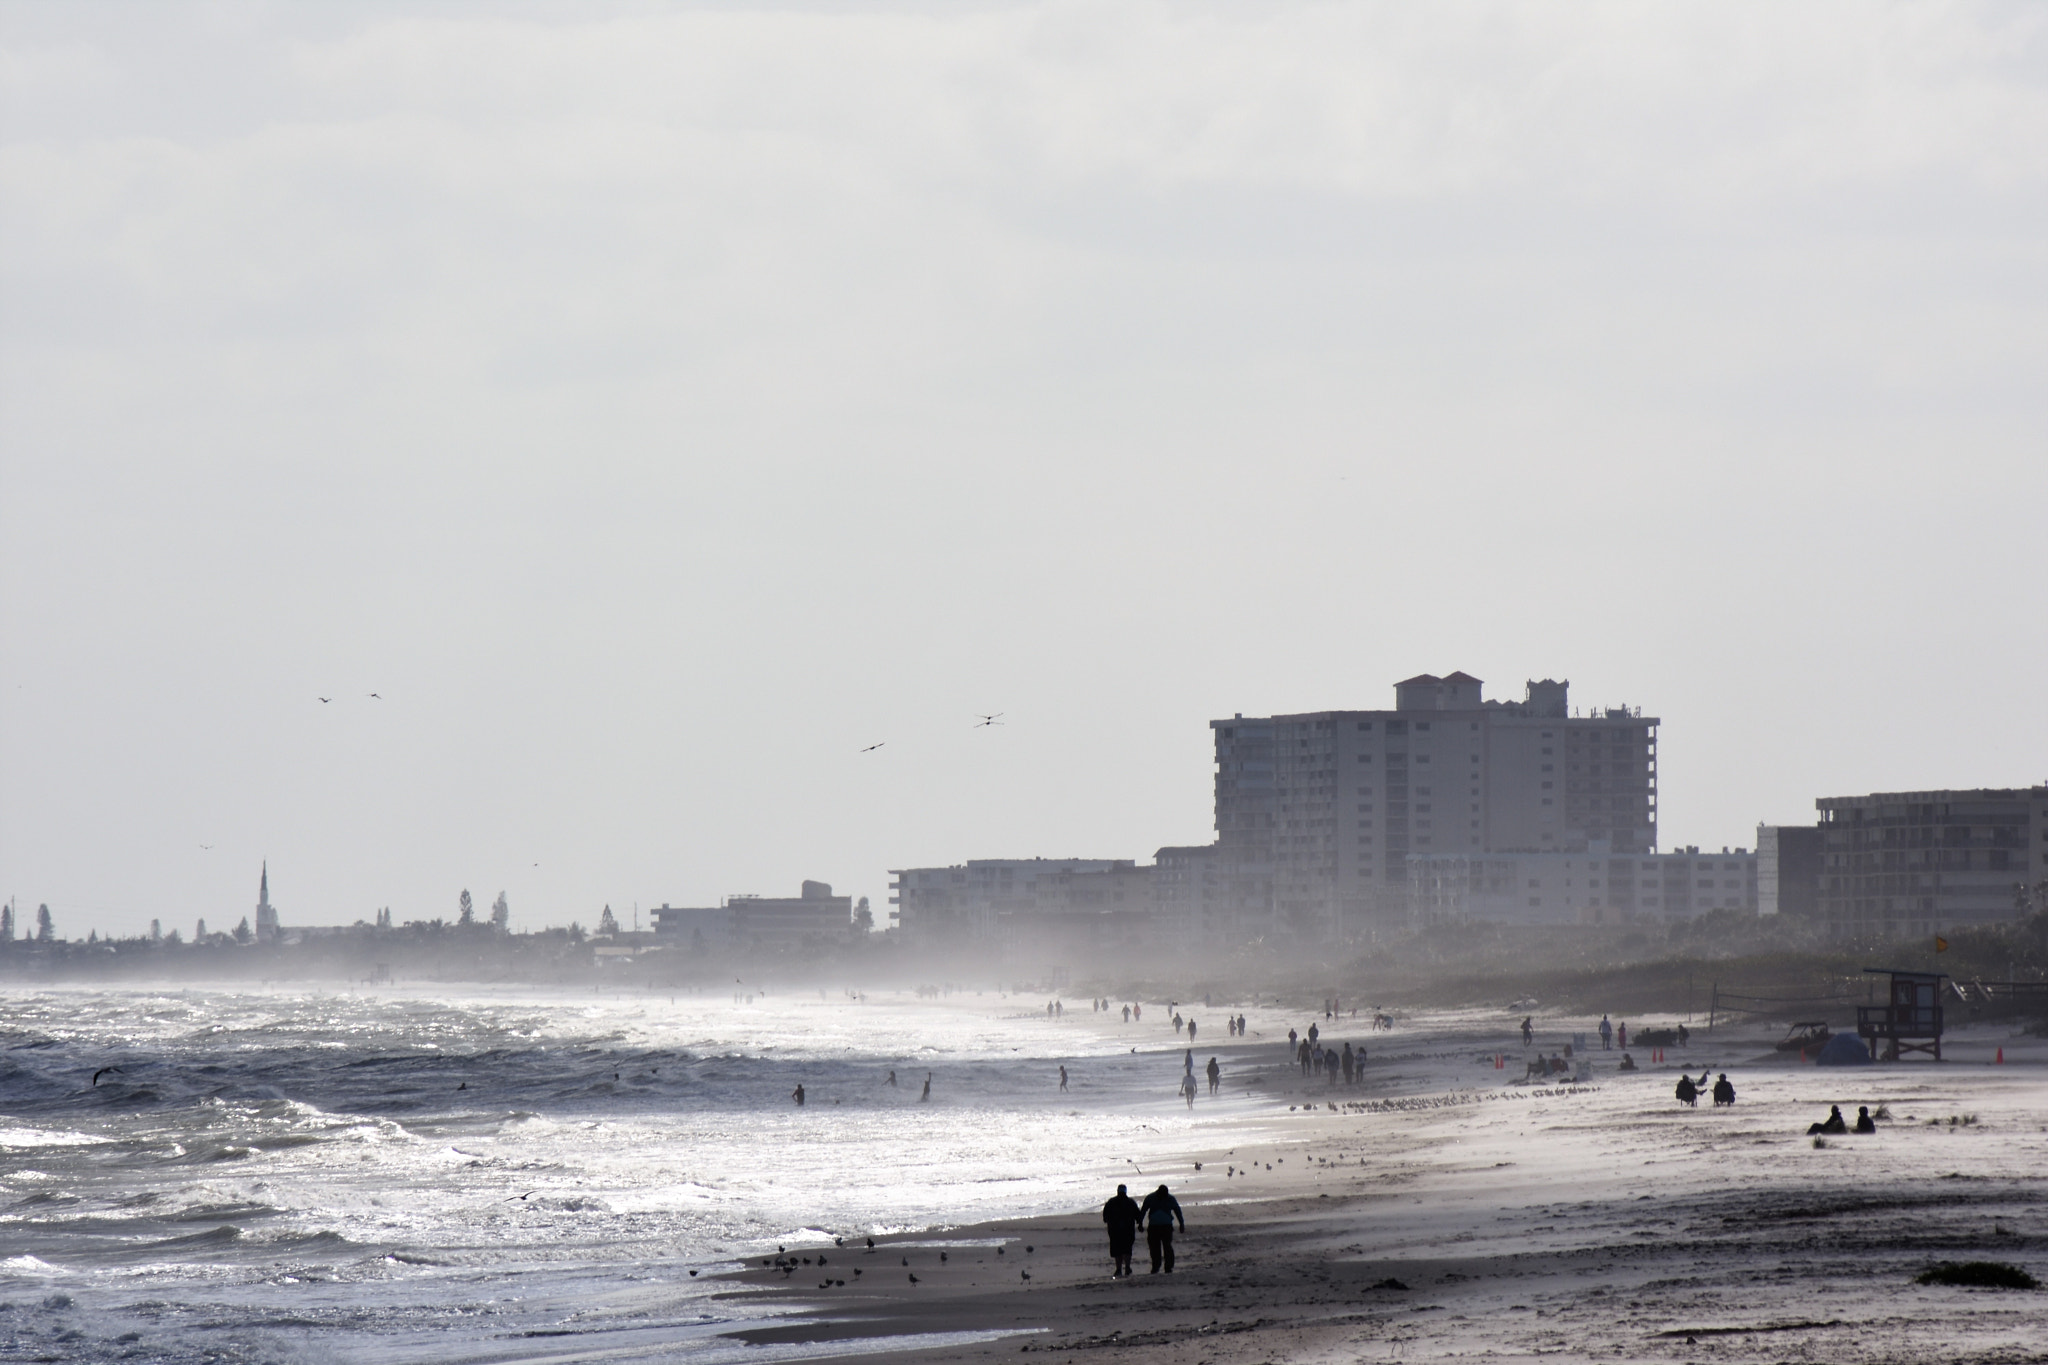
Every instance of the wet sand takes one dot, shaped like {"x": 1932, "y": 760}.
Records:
{"x": 1606, "y": 1222}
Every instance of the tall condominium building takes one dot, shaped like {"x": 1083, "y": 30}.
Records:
{"x": 1909, "y": 863}
{"x": 1317, "y": 813}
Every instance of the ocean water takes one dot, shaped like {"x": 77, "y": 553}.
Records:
{"x": 411, "y": 1176}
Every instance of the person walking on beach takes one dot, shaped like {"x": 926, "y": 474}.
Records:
{"x": 1127, "y": 1014}
{"x": 1621, "y": 1036}
{"x": 1188, "y": 1088}
{"x": 1063, "y": 1080}
{"x": 1215, "y": 1076}
{"x": 1160, "y": 1209}
{"x": 1528, "y": 1031}
{"x": 1191, "y": 1031}
{"x": 1292, "y": 1039}
{"x": 1304, "y": 1057}
{"x": 927, "y": 1088}
{"x": 1347, "y": 1064}
{"x": 1121, "y": 1215}
{"x": 1606, "y": 1034}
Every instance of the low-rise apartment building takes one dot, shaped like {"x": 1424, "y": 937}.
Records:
{"x": 1595, "y": 885}
{"x": 1904, "y": 864}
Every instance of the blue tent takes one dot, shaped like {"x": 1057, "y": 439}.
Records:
{"x": 1844, "y": 1049}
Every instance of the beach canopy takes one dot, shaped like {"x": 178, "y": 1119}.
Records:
{"x": 1844, "y": 1049}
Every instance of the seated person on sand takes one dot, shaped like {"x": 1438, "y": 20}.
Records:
{"x": 1833, "y": 1124}
{"x": 1864, "y": 1123}
{"x": 1724, "y": 1093}
{"x": 1689, "y": 1089}
{"x": 1628, "y": 1063}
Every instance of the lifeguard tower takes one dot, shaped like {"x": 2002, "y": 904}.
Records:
{"x": 1910, "y": 1022}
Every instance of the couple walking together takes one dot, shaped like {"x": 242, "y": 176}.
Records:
{"x": 1122, "y": 1216}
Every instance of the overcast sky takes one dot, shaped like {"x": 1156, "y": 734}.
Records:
{"x": 657, "y": 405}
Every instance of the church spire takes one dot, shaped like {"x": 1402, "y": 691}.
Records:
{"x": 266, "y": 913}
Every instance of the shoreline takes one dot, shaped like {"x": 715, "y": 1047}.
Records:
{"x": 1603, "y": 1221}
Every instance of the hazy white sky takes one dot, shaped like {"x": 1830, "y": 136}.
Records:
{"x": 656, "y": 405}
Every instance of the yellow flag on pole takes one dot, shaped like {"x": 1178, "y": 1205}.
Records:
{"x": 1940, "y": 944}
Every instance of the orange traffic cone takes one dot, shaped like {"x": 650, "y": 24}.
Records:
{"x": 1802, "y": 1056}
{"x": 1499, "y": 1062}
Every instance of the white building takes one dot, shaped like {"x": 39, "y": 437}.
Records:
{"x": 1317, "y": 813}
{"x": 1595, "y": 885}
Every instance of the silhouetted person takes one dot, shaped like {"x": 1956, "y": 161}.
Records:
{"x": 1606, "y": 1034}
{"x": 1349, "y": 1064}
{"x": 1833, "y": 1123}
{"x": 1528, "y": 1031}
{"x": 1864, "y": 1123}
{"x": 1215, "y": 1075}
{"x": 1191, "y": 1030}
{"x": 798, "y": 1095}
{"x": 1187, "y": 1088}
{"x": 927, "y": 1088}
{"x": 1628, "y": 1063}
{"x": 892, "y": 1078}
{"x": 1063, "y": 1080}
{"x": 1121, "y": 1216}
{"x": 1127, "y": 1014}
{"x": 1724, "y": 1093}
{"x": 1688, "y": 1092}
{"x": 1160, "y": 1209}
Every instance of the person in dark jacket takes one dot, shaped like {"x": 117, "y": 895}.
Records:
{"x": 1121, "y": 1216}
{"x": 1160, "y": 1209}
{"x": 1724, "y": 1090}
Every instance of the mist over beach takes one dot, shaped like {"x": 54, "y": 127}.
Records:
{"x": 1306, "y": 681}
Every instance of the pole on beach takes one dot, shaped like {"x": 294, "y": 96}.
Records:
{"x": 1713, "y": 1004}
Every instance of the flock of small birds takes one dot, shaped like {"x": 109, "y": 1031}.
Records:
{"x": 789, "y": 1264}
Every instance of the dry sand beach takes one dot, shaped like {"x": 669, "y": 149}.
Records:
{"x": 1465, "y": 1215}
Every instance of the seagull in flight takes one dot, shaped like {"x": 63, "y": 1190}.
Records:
{"x": 988, "y": 720}
{"x": 379, "y": 698}
{"x": 325, "y": 700}
{"x": 103, "y": 1071}
{"x": 206, "y": 845}
{"x": 872, "y": 747}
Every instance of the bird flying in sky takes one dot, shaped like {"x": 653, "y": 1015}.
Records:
{"x": 872, "y": 747}
{"x": 987, "y": 720}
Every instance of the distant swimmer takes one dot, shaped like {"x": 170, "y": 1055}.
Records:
{"x": 103, "y": 1071}
{"x": 798, "y": 1095}
{"x": 927, "y": 1088}
{"x": 892, "y": 1078}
